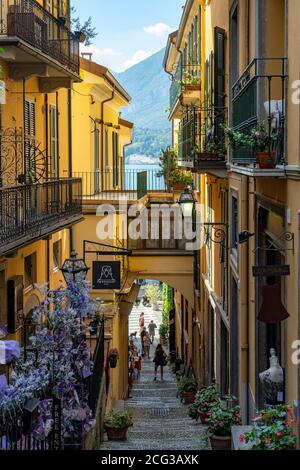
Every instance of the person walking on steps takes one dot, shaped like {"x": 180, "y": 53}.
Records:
{"x": 152, "y": 327}
{"x": 160, "y": 360}
{"x": 147, "y": 343}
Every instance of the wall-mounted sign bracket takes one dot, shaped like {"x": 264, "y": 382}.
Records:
{"x": 287, "y": 237}
{"x": 106, "y": 250}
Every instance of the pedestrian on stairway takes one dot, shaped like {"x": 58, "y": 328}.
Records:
{"x": 147, "y": 343}
{"x": 143, "y": 334}
{"x": 152, "y": 327}
{"x": 160, "y": 360}
{"x": 141, "y": 322}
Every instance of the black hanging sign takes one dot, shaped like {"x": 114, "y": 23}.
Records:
{"x": 269, "y": 271}
{"x": 106, "y": 275}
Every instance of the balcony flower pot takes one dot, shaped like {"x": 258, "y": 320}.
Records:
{"x": 187, "y": 389}
{"x": 266, "y": 160}
{"x": 206, "y": 156}
{"x": 178, "y": 187}
{"x": 220, "y": 442}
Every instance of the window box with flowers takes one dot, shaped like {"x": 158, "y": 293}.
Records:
{"x": 272, "y": 430}
{"x": 262, "y": 140}
{"x": 112, "y": 357}
{"x": 221, "y": 419}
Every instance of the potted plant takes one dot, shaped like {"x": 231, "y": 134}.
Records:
{"x": 112, "y": 357}
{"x": 205, "y": 400}
{"x": 80, "y": 35}
{"x": 213, "y": 149}
{"x": 117, "y": 425}
{"x": 178, "y": 363}
{"x": 179, "y": 375}
{"x": 272, "y": 430}
{"x": 221, "y": 418}
{"x": 263, "y": 141}
{"x": 187, "y": 389}
{"x": 179, "y": 180}
{"x": 236, "y": 139}
{"x": 168, "y": 163}
{"x": 163, "y": 332}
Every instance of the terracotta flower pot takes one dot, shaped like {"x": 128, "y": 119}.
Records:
{"x": 116, "y": 434}
{"x": 203, "y": 416}
{"x": 220, "y": 442}
{"x": 266, "y": 160}
{"x": 178, "y": 187}
{"x": 188, "y": 397}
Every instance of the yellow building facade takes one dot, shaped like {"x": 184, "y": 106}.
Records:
{"x": 249, "y": 216}
{"x": 99, "y": 139}
{"x": 40, "y": 200}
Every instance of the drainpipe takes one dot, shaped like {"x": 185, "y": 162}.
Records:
{"x": 47, "y": 134}
{"x": 70, "y": 151}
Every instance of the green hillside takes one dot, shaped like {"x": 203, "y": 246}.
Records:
{"x": 148, "y": 85}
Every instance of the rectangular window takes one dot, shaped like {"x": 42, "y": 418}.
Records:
{"x": 54, "y": 165}
{"x": 234, "y": 225}
{"x": 115, "y": 141}
{"x": 57, "y": 257}
{"x": 30, "y": 270}
{"x": 106, "y": 149}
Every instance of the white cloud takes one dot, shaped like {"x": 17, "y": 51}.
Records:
{"x": 99, "y": 53}
{"x": 159, "y": 30}
{"x": 137, "y": 57}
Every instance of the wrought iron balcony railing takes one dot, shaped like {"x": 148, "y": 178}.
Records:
{"x": 258, "y": 96}
{"x": 112, "y": 184}
{"x": 29, "y": 212}
{"x": 201, "y": 139}
{"x": 186, "y": 76}
{"x": 29, "y": 21}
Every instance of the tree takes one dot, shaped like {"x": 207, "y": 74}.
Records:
{"x": 168, "y": 162}
{"x": 86, "y": 28}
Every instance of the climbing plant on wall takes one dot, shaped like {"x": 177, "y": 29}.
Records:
{"x": 167, "y": 303}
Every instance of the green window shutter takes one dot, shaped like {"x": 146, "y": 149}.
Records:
{"x": 199, "y": 39}
{"x": 219, "y": 68}
{"x": 53, "y": 143}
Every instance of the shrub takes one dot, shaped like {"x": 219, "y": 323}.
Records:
{"x": 222, "y": 418}
{"x": 119, "y": 420}
{"x": 187, "y": 385}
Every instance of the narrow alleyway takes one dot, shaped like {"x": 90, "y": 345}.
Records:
{"x": 161, "y": 422}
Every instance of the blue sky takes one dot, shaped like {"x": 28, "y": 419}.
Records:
{"x": 129, "y": 30}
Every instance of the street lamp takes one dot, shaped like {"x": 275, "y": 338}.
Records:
{"x": 187, "y": 202}
{"x": 74, "y": 269}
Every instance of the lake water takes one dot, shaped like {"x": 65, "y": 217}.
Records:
{"x": 154, "y": 182}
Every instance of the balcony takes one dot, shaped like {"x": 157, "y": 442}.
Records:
{"x": 27, "y": 28}
{"x": 259, "y": 97}
{"x": 33, "y": 211}
{"x": 119, "y": 185}
{"x": 201, "y": 141}
{"x": 185, "y": 88}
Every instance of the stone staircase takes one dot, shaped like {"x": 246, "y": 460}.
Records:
{"x": 161, "y": 421}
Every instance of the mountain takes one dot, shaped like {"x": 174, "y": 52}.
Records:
{"x": 148, "y": 85}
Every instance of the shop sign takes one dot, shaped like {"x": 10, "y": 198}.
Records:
{"x": 106, "y": 275}
{"x": 270, "y": 271}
